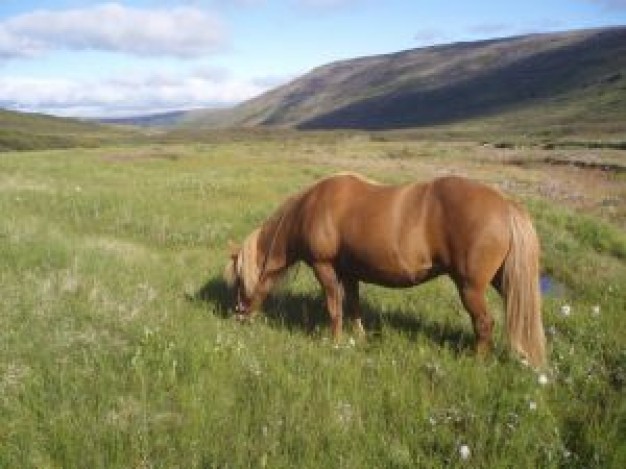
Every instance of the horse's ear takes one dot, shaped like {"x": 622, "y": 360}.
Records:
{"x": 233, "y": 249}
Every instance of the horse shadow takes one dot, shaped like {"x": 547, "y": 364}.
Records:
{"x": 306, "y": 312}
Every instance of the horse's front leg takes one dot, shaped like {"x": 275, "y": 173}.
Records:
{"x": 353, "y": 310}
{"x": 333, "y": 289}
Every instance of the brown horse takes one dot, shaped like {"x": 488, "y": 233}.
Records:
{"x": 349, "y": 229}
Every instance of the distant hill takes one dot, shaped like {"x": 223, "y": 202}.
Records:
{"x": 543, "y": 79}
{"x": 162, "y": 119}
{"x": 28, "y": 131}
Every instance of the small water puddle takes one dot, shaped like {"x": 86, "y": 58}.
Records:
{"x": 551, "y": 287}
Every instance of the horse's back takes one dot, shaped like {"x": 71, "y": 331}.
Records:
{"x": 331, "y": 206}
{"x": 466, "y": 193}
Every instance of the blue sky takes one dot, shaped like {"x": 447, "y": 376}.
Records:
{"x": 91, "y": 58}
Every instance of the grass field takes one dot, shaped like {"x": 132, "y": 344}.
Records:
{"x": 117, "y": 349}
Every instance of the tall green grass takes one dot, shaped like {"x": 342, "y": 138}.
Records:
{"x": 117, "y": 349}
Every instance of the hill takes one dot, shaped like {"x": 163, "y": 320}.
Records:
{"x": 162, "y": 119}
{"x": 557, "y": 78}
{"x": 26, "y": 131}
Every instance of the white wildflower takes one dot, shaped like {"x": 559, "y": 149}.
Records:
{"x": 566, "y": 310}
{"x": 542, "y": 379}
{"x": 464, "y": 452}
{"x": 344, "y": 413}
{"x": 532, "y": 405}
{"x": 595, "y": 310}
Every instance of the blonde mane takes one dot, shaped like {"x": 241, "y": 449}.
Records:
{"x": 354, "y": 174}
{"x": 245, "y": 265}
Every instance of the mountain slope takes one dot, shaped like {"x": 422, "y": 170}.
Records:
{"x": 571, "y": 75}
{"x": 26, "y": 131}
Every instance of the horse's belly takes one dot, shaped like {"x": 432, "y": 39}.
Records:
{"x": 390, "y": 270}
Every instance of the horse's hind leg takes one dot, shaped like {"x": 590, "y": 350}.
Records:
{"x": 473, "y": 298}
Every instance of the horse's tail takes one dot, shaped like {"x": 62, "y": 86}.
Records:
{"x": 520, "y": 288}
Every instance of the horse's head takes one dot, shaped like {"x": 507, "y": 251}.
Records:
{"x": 242, "y": 273}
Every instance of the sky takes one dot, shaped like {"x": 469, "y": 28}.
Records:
{"x": 133, "y": 57}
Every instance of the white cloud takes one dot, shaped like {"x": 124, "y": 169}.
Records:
{"x": 177, "y": 31}
{"x": 131, "y": 94}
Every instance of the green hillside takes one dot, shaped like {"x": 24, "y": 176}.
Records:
{"x": 573, "y": 78}
{"x": 25, "y": 131}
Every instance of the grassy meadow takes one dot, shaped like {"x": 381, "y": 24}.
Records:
{"x": 117, "y": 348}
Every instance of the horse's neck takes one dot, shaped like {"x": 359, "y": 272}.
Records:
{"x": 272, "y": 244}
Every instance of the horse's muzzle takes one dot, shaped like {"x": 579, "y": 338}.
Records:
{"x": 242, "y": 309}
